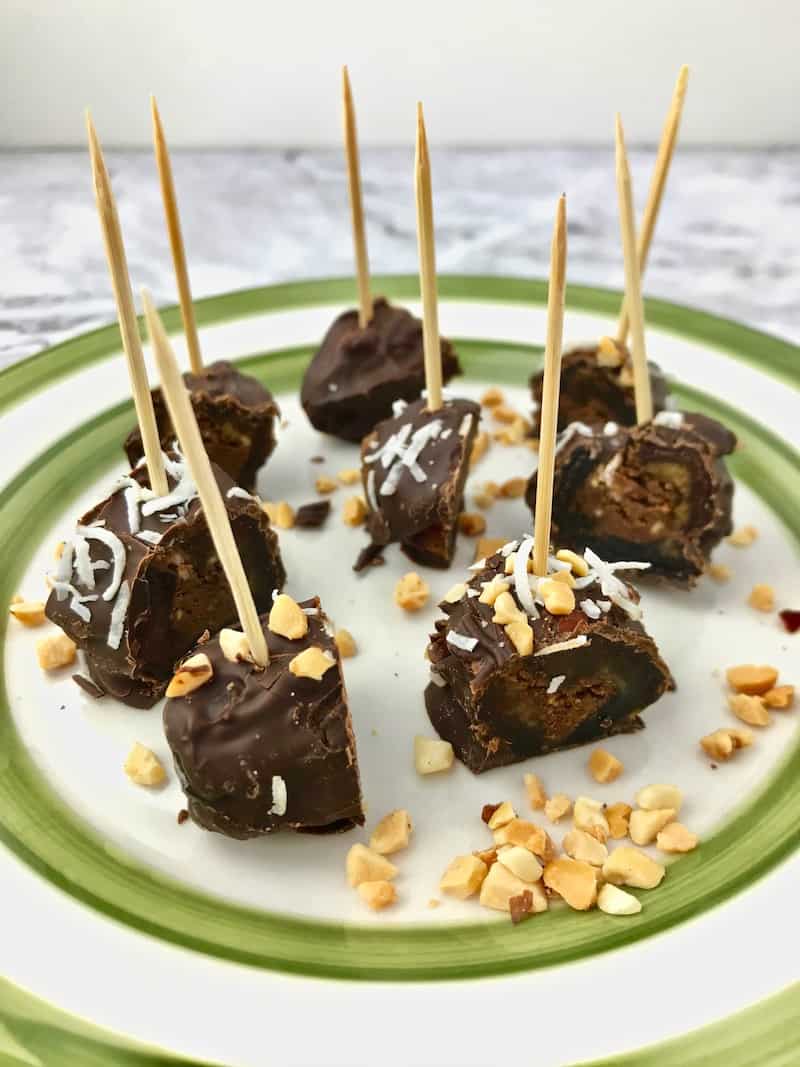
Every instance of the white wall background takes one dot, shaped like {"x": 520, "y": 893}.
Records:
{"x": 489, "y": 71}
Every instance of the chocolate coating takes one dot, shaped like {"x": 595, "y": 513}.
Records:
{"x": 653, "y": 493}
{"x": 233, "y": 735}
{"x": 493, "y": 705}
{"x": 595, "y": 394}
{"x": 177, "y": 589}
{"x": 416, "y": 501}
{"x": 357, "y": 374}
{"x": 236, "y": 416}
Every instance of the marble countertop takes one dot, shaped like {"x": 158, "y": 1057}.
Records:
{"x": 728, "y": 239}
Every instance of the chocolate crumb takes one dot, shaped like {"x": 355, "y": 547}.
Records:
{"x": 713, "y": 766}
{"x": 370, "y": 556}
{"x": 317, "y": 459}
{"x": 183, "y": 815}
{"x": 88, "y": 686}
{"x": 521, "y": 906}
{"x": 312, "y": 515}
{"x": 488, "y": 810}
{"x": 790, "y": 619}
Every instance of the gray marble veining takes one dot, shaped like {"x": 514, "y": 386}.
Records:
{"x": 728, "y": 239}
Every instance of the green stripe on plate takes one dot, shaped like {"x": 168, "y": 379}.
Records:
{"x": 771, "y": 354}
{"x": 50, "y": 837}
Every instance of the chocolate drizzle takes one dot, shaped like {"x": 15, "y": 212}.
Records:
{"x": 413, "y": 468}
{"x": 236, "y": 416}
{"x": 357, "y": 374}
{"x": 264, "y": 750}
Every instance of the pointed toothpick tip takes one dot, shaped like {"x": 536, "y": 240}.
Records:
{"x": 683, "y": 77}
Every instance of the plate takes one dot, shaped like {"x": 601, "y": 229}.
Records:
{"x": 112, "y": 864}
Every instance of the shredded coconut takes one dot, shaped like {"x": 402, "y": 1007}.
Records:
{"x": 570, "y": 431}
{"x": 118, "y": 614}
{"x": 150, "y": 536}
{"x": 588, "y": 607}
{"x": 398, "y": 407}
{"x": 522, "y": 586}
{"x": 110, "y": 540}
{"x": 83, "y": 563}
{"x": 610, "y": 429}
{"x": 279, "y": 796}
{"x": 478, "y": 565}
{"x": 508, "y": 548}
{"x": 236, "y": 490}
{"x": 555, "y": 684}
{"x": 466, "y": 644}
{"x": 672, "y": 419}
{"x": 604, "y": 605}
{"x": 564, "y": 646}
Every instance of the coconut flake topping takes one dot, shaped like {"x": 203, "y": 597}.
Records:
{"x": 671, "y": 419}
{"x": 279, "y": 796}
{"x": 556, "y": 683}
{"x": 466, "y": 644}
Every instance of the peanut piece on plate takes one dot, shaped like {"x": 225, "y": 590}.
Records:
{"x": 431, "y": 755}
{"x": 513, "y": 488}
{"x": 557, "y": 807}
{"x": 574, "y": 881}
{"x": 604, "y": 767}
{"x": 192, "y": 673}
{"x": 492, "y": 397}
{"x": 646, "y": 825}
{"x": 143, "y": 766}
{"x": 377, "y": 895}
{"x": 500, "y": 885}
{"x": 528, "y": 835}
{"x": 235, "y": 646}
{"x": 537, "y": 797}
{"x": 365, "y": 865}
{"x": 503, "y": 413}
{"x": 579, "y": 845}
{"x": 351, "y": 476}
{"x": 588, "y": 815}
{"x": 471, "y": 524}
{"x": 411, "y": 592}
{"x": 751, "y": 710}
{"x": 463, "y": 877}
{"x": 724, "y": 743}
{"x": 280, "y": 514}
{"x": 676, "y": 838}
{"x": 354, "y": 511}
{"x": 615, "y": 901}
{"x": 345, "y": 642}
{"x": 28, "y": 612}
{"x": 618, "y": 817}
{"x": 762, "y": 597}
{"x": 780, "y": 698}
{"x": 392, "y": 833}
{"x": 324, "y": 484}
{"x": 312, "y": 663}
{"x": 580, "y": 568}
{"x": 501, "y": 815}
{"x": 54, "y": 651}
{"x": 520, "y": 862}
{"x": 750, "y": 679}
{"x": 287, "y": 618}
{"x": 653, "y": 797}
{"x": 719, "y": 572}
{"x": 742, "y": 536}
{"x": 629, "y": 866}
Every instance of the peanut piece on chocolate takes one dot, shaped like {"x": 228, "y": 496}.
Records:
{"x": 192, "y": 673}
{"x": 287, "y": 618}
{"x": 312, "y": 663}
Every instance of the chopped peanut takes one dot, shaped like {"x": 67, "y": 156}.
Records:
{"x": 580, "y": 567}
{"x": 574, "y": 881}
{"x": 676, "y": 838}
{"x": 54, "y": 651}
{"x": 192, "y": 673}
{"x": 501, "y": 815}
{"x": 506, "y": 610}
{"x": 751, "y": 710}
{"x": 280, "y": 514}
{"x": 755, "y": 681}
{"x": 557, "y": 807}
{"x": 558, "y": 598}
{"x": 780, "y": 698}
{"x": 312, "y": 663}
{"x": 609, "y": 353}
{"x": 287, "y": 618}
{"x": 743, "y": 536}
{"x": 615, "y": 901}
{"x": 724, "y": 743}
{"x": 527, "y": 834}
{"x": 351, "y": 476}
{"x": 582, "y": 846}
{"x": 411, "y": 592}
{"x": 471, "y": 524}
{"x": 365, "y": 865}
{"x": 235, "y": 646}
{"x": 604, "y": 767}
{"x": 377, "y": 895}
{"x": 520, "y": 634}
{"x": 719, "y": 572}
{"x": 505, "y": 414}
{"x": 144, "y": 767}
{"x": 588, "y": 815}
{"x": 479, "y": 447}
{"x": 28, "y": 612}
{"x": 324, "y": 484}
{"x": 646, "y": 825}
{"x": 432, "y": 755}
{"x": 618, "y": 818}
{"x": 762, "y": 597}
{"x": 655, "y": 797}
{"x": 520, "y": 862}
{"x": 629, "y": 866}
{"x": 463, "y": 877}
{"x": 483, "y": 499}
{"x": 492, "y": 590}
{"x": 354, "y": 511}
{"x": 565, "y": 577}
{"x": 500, "y": 885}
{"x": 513, "y": 488}
{"x": 492, "y": 397}
{"x": 537, "y": 798}
{"x": 345, "y": 642}
{"x": 514, "y": 434}
{"x": 392, "y": 833}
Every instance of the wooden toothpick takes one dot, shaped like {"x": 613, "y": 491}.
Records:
{"x": 550, "y": 391}
{"x": 176, "y": 240}
{"x": 188, "y": 433}
{"x": 356, "y": 203}
{"x": 633, "y": 283}
{"x": 126, "y": 314}
{"x": 427, "y": 268}
{"x": 669, "y": 138}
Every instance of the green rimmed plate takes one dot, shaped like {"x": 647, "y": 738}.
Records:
{"x": 279, "y": 905}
